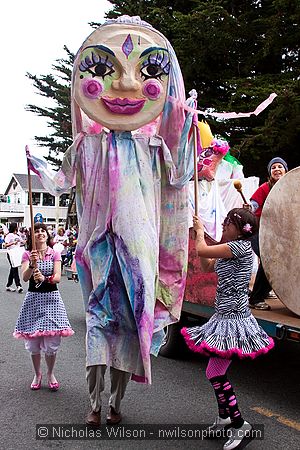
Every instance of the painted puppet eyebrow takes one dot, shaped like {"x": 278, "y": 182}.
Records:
{"x": 101, "y": 47}
{"x": 151, "y": 49}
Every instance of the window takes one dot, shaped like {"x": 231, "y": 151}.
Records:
{"x": 64, "y": 200}
{"x": 48, "y": 199}
{"x": 36, "y": 198}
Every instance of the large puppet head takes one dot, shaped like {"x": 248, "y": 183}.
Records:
{"x": 125, "y": 75}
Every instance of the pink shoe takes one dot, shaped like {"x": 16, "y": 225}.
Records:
{"x": 53, "y": 386}
{"x": 36, "y": 386}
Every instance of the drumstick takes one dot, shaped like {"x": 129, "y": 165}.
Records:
{"x": 238, "y": 186}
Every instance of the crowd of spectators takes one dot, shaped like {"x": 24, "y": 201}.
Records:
{"x": 65, "y": 240}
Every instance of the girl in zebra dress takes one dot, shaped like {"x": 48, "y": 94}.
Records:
{"x": 232, "y": 331}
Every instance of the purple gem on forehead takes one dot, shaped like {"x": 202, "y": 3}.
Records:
{"x": 127, "y": 46}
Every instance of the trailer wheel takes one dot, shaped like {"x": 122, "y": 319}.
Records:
{"x": 174, "y": 345}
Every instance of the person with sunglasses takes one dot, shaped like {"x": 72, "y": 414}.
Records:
{"x": 232, "y": 331}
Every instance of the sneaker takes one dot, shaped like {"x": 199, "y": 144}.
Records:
{"x": 261, "y": 306}
{"x": 218, "y": 429}
{"x": 271, "y": 295}
{"x": 10, "y": 289}
{"x": 237, "y": 435}
{"x": 20, "y": 289}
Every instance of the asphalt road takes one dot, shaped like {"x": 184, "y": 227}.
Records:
{"x": 267, "y": 390}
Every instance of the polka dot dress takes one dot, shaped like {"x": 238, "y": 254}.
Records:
{"x": 43, "y": 313}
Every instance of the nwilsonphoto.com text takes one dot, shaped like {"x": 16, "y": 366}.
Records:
{"x": 134, "y": 432}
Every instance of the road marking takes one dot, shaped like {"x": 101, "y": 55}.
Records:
{"x": 284, "y": 420}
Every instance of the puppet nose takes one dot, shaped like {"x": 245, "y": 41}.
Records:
{"x": 127, "y": 82}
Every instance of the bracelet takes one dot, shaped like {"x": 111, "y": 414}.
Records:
{"x": 49, "y": 279}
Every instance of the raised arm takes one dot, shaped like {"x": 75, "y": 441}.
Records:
{"x": 179, "y": 164}
{"x": 58, "y": 182}
{"x": 208, "y": 251}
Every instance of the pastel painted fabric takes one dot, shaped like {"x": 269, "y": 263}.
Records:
{"x": 132, "y": 203}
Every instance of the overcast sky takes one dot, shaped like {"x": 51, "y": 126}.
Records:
{"x": 33, "y": 34}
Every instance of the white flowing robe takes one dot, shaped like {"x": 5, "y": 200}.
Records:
{"x": 131, "y": 256}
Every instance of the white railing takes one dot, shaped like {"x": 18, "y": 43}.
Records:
{"x": 12, "y": 207}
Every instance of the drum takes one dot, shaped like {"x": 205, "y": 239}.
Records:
{"x": 279, "y": 239}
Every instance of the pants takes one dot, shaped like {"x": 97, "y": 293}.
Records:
{"x": 13, "y": 275}
{"x": 95, "y": 381}
{"x": 261, "y": 286}
{"x": 47, "y": 344}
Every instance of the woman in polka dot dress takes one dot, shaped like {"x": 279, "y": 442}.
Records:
{"x": 43, "y": 319}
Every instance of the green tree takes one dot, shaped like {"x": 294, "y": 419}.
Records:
{"x": 56, "y": 87}
{"x": 234, "y": 53}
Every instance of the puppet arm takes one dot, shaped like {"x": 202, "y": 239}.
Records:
{"x": 59, "y": 182}
{"x": 180, "y": 167}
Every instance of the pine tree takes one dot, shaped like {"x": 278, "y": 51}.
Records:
{"x": 233, "y": 52}
{"x": 55, "y": 87}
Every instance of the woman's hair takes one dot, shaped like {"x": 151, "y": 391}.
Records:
{"x": 13, "y": 227}
{"x": 245, "y": 221}
{"x": 37, "y": 226}
{"x": 61, "y": 229}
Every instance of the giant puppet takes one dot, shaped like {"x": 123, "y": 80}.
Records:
{"x": 131, "y": 190}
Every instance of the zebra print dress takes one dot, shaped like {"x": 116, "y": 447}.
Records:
{"x": 232, "y": 330}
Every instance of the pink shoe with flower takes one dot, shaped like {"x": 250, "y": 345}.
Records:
{"x": 53, "y": 386}
{"x": 36, "y": 383}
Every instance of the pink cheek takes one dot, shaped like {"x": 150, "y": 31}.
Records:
{"x": 152, "y": 89}
{"x": 91, "y": 88}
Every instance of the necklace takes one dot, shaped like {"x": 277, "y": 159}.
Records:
{"x": 41, "y": 253}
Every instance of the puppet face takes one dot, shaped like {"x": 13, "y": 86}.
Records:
{"x": 121, "y": 76}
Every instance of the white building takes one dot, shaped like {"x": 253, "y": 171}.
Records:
{"x": 14, "y": 204}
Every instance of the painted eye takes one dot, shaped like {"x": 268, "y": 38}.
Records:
{"x": 101, "y": 70}
{"x": 155, "y": 66}
{"x": 97, "y": 66}
{"x": 152, "y": 71}
{"x": 208, "y": 152}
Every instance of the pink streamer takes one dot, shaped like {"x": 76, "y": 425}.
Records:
{"x": 230, "y": 115}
